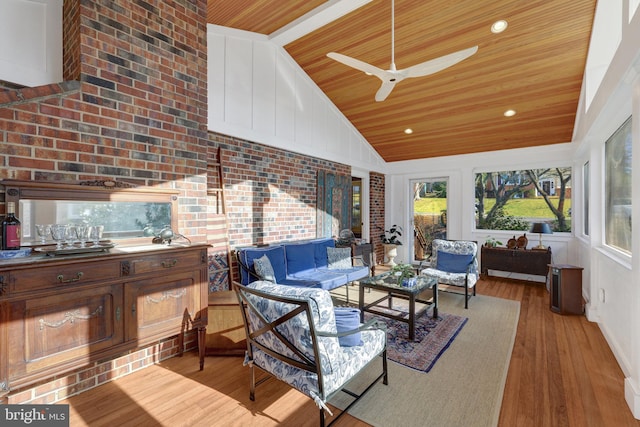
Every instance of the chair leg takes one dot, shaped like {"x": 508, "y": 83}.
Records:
{"x": 466, "y": 296}
{"x": 252, "y": 391}
{"x": 321, "y": 417}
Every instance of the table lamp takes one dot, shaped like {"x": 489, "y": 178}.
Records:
{"x": 541, "y": 228}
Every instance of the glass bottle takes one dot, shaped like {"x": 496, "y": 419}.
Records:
{"x": 10, "y": 229}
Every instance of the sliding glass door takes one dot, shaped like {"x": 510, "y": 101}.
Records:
{"x": 429, "y": 215}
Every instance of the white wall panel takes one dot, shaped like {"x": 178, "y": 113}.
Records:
{"x": 264, "y": 88}
{"x": 264, "y": 96}
{"x": 238, "y": 81}
{"x": 31, "y": 41}
{"x": 285, "y": 105}
{"x": 215, "y": 77}
{"x": 304, "y": 113}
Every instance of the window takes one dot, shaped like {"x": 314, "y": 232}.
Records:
{"x": 586, "y": 190}
{"x": 512, "y": 200}
{"x": 618, "y": 189}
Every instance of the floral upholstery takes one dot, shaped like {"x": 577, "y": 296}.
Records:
{"x": 466, "y": 279}
{"x": 329, "y": 365}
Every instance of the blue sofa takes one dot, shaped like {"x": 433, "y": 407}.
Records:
{"x": 302, "y": 263}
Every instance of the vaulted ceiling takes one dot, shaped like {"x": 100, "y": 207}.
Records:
{"x": 535, "y": 67}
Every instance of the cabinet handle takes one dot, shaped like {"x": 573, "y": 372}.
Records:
{"x": 117, "y": 314}
{"x": 61, "y": 278}
{"x": 169, "y": 264}
{"x": 133, "y": 308}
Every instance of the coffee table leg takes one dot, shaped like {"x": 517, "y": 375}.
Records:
{"x": 361, "y": 302}
{"x": 412, "y": 317}
{"x": 435, "y": 301}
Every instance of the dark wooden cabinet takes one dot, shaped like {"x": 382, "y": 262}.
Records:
{"x": 525, "y": 261}
{"x": 58, "y": 313}
{"x": 565, "y": 289}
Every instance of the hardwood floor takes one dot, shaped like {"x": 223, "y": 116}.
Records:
{"x": 562, "y": 373}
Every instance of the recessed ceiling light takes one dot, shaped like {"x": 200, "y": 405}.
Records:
{"x": 408, "y": 131}
{"x": 510, "y": 113}
{"x": 499, "y": 26}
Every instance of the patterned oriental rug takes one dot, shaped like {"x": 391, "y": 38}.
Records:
{"x": 432, "y": 338}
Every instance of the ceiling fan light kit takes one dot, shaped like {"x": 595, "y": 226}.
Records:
{"x": 392, "y": 76}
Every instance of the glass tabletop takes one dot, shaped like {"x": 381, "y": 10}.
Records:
{"x": 389, "y": 281}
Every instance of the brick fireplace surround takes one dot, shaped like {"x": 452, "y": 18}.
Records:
{"x": 133, "y": 107}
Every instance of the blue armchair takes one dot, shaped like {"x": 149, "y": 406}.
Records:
{"x": 455, "y": 263}
{"x": 292, "y": 335}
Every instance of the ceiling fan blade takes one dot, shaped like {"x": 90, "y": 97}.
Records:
{"x": 384, "y": 91}
{"x": 438, "y": 64}
{"x": 357, "y": 64}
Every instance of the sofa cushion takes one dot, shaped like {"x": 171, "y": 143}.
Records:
{"x": 453, "y": 263}
{"x": 339, "y": 258}
{"x": 300, "y": 257}
{"x": 348, "y": 319}
{"x": 264, "y": 269}
{"x": 320, "y": 251}
{"x": 322, "y": 278}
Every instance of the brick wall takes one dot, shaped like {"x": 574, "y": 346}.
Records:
{"x": 138, "y": 112}
{"x": 134, "y": 109}
{"x": 376, "y": 212}
{"x": 270, "y": 193}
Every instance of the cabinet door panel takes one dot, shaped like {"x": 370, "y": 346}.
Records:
{"x": 162, "y": 306}
{"x": 61, "y": 328}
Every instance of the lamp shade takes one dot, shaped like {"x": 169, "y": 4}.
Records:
{"x": 541, "y": 227}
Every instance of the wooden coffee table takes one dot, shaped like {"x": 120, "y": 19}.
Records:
{"x": 388, "y": 284}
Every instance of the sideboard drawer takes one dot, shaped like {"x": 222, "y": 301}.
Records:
{"x": 62, "y": 275}
{"x": 166, "y": 262}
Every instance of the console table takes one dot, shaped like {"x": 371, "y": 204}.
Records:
{"x": 525, "y": 261}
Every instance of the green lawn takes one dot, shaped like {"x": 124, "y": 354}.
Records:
{"x": 526, "y": 208}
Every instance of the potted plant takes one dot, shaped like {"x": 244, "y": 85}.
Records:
{"x": 390, "y": 242}
{"x": 403, "y": 274}
{"x": 491, "y": 242}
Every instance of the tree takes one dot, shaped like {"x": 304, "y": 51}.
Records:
{"x": 503, "y": 186}
{"x": 564, "y": 176}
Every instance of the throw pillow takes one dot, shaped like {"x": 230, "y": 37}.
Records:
{"x": 347, "y": 319}
{"x": 453, "y": 263}
{"x": 339, "y": 258}
{"x": 264, "y": 269}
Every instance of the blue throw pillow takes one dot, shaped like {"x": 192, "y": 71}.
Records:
{"x": 347, "y": 319}
{"x": 453, "y": 263}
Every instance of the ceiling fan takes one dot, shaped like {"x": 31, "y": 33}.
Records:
{"x": 392, "y": 76}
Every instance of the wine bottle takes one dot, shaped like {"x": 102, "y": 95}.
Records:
{"x": 11, "y": 229}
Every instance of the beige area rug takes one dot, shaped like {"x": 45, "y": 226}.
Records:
{"x": 464, "y": 388}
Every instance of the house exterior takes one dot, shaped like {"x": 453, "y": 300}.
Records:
{"x": 152, "y": 104}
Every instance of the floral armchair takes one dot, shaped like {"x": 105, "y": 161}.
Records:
{"x": 292, "y": 335}
{"x": 455, "y": 263}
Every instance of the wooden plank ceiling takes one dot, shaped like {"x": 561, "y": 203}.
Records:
{"x": 534, "y": 67}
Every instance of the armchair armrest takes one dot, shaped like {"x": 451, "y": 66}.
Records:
{"x": 369, "y": 325}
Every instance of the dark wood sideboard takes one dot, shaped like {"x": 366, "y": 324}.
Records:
{"x": 524, "y": 261}
{"x": 59, "y": 313}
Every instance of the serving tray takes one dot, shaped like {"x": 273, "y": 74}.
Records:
{"x": 75, "y": 249}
